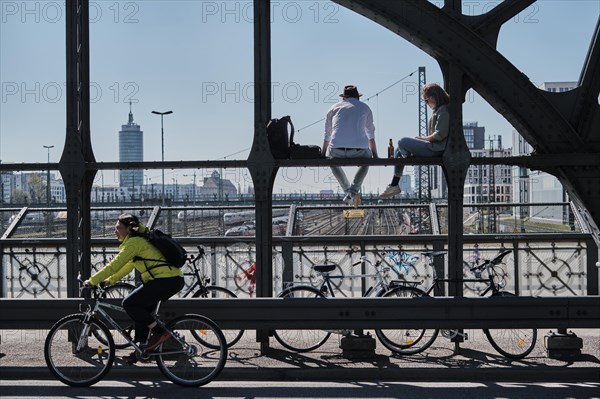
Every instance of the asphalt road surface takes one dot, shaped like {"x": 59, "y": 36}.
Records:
{"x": 23, "y": 389}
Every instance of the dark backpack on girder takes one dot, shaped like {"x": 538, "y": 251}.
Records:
{"x": 277, "y": 133}
{"x": 283, "y": 147}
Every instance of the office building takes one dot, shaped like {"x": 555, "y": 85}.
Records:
{"x": 474, "y": 135}
{"x": 131, "y": 149}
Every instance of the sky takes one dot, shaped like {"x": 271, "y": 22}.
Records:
{"x": 195, "y": 58}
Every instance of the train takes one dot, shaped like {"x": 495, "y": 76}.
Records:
{"x": 278, "y": 225}
{"x": 236, "y": 218}
{"x": 31, "y": 218}
{"x": 195, "y": 214}
{"x": 229, "y": 218}
{"x": 34, "y": 218}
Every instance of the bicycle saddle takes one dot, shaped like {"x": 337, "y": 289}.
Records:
{"x": 433, "y": 254}
{"x": 324, "y": 268}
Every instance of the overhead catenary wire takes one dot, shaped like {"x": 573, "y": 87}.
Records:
{"x": 376, "y": 95}
{"x": 366, "y": 99}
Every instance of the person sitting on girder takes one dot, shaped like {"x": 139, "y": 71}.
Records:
{"x": 350, "y": 133}
{"x": 432, "y": 145}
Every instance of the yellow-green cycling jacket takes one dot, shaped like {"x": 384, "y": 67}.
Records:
{"x": 132, "y": 247}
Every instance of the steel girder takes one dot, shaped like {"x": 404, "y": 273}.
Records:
{"x": 564, "y": 125}
{"x": 77, "y": 156}
{"x": 340, "y": 313}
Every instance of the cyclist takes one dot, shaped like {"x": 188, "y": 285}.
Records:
{"x": 160, "y": 281}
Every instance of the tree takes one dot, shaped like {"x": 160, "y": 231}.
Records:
{"x": 37, "y": 188}
{"x": 20, "y": 197}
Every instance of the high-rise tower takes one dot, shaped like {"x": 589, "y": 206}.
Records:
{"x": 131, "y": 149}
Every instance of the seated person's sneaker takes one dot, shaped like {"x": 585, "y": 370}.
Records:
{"x": 348, "y": 199}
{"x": 131, "y": 358}
{"x": 390, "y": 191}
{"x": 356, "y": 200}
{"x": 156, "y": 339}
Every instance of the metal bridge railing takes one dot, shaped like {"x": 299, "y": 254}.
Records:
{"x": 541, "y": 265}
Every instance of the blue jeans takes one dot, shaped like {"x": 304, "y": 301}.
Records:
{"x": 409, "y": 146}
{"x": 339, "y": 173}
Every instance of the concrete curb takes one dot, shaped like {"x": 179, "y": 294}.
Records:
{"x": 542, "y": 374}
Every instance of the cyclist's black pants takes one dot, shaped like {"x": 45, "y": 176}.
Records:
{"x": 141, "y": 303}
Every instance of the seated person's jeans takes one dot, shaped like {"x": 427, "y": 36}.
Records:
{"x": 361, "y": 173}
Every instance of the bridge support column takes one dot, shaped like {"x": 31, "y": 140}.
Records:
{"x": 358, "y": 346}
{"x": 456, "y": 161}
{"x": 563, "y": 345}
{"x": 261, "y": 163}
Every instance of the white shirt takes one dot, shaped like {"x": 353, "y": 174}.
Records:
{"x": 349, "y": 124}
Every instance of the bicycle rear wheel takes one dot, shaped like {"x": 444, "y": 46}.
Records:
{"x": 513, "y": 343}
{"x": 301, "y": 340}
{"x": 213, "y": 291}
{"x": 411, "y": 340}
{"x": 193, "y": 363}
{"x": 119, "y": 291}
{"x": 73, "y": 353}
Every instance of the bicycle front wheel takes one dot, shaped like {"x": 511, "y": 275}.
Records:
{"x": 407, "y": 341}
{"x": 119, "y": 291}
{"x": 185, "y": 360}
{"x": 75, "y": 355}
{"x": 301, "y": 340}
{"x": 513, "y": 343}
{"x": 213, "y": 291}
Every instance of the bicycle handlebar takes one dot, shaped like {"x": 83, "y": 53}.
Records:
{"x": 96, "y": 290}
{"x": 365, "y": 260}
{"x": 194, "y": 258}
{"x": 433, "y": 254}
{"x": 492, "y": 262}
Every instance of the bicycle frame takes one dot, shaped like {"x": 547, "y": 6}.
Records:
{"x": 489, "y": 281}
{"x": 99, "y": 308}
{"x": 326, "y": 285}
{"x": 200, "y": 282}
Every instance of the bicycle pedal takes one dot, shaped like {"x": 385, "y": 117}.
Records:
{"x": 144, "y": 356}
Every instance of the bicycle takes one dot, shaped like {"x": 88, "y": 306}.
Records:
{"x": 308, "y": 340}
{"x": 194, "y": 355}
{"x": 245, "y": 281}
{"x": 204, "y": 290}
{"x": 511, "y": 343}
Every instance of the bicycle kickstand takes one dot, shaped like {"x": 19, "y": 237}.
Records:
{"x": 456, "y": 336}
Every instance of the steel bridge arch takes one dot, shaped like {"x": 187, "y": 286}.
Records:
{"x": 564, "y": 125}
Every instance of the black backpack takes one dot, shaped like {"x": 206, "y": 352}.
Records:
{"x": 277, "y": 133}
{"x": 284, "y": 148}
{"x": 173, "y": 252}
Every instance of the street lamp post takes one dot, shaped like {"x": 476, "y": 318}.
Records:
{"x": 48, "y": 192}
{"x": 162, "y": 145}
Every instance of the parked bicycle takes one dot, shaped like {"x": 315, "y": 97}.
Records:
{"x": 512, "y": 343}
{"x": 307, "y": 340}
{"x": 201, "y": 288}
{"x": 245, "y": 281}
{"x": 80, "y": 350}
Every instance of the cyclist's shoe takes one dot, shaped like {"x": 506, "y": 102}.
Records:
{"x": 389, "y": 192}
{"x": 156, "y": 339}
{"x": 131, "y": 358}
